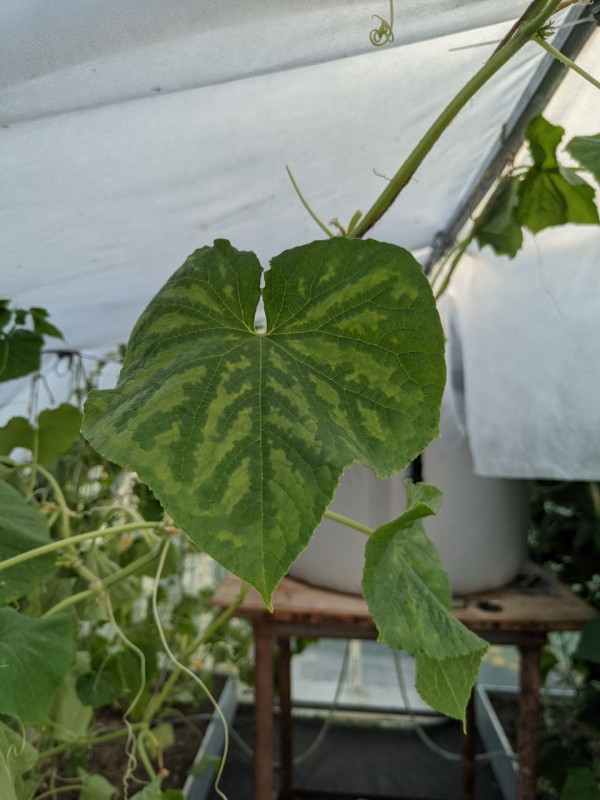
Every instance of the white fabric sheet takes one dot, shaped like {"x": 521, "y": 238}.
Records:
{"x": 529, "y": 335}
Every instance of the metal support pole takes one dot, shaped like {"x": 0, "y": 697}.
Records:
{"x": 285, "y": 705}
{"x": 263, "y": 736}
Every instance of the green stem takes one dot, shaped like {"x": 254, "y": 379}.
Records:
{"x": 104, "y": 584}
{"x": 460, "y": 251}
{"x": 540, "y": 12}
{"x": 595, "y": 495}
{"x": 141, "y": 748}
{"x": 90, "y": 741}
{"x": 307, "y": 207}
{"x": 65, "y": 512}
{"x": 155, "y": 705}
{"x": 82, "y": 537}
{"x": 349, "y": 523}
{"x": 52, "y": 792}
{"x": 566, "y": 61}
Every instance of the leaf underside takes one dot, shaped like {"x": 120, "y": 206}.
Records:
{"x": 243, "y": 436}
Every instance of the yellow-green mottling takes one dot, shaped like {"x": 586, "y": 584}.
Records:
{"x": 243, "y": 436}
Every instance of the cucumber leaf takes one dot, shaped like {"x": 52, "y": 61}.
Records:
{"x": 35, "y": 655}
{"x": 22, "y": 528}
{"x": 586, "y": 150}
{"x": 243, "y": 435}
{"x": 409, "y": 596}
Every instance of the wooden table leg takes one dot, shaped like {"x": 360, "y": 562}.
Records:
{"x": 468, "y": 752}
{"x": 263, "y": 732}
{"x": 285, "y": 705}
{"x": 529, "y": 720}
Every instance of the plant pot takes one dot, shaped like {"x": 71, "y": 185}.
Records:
{"x": 480, "y": 530}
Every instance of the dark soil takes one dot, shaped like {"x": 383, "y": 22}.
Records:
{"x": 109, "y": 759}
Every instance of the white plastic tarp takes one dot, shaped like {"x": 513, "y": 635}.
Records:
{"x": 134, "y": 132}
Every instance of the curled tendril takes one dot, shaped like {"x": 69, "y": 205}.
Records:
{"x": 384, "y": 33}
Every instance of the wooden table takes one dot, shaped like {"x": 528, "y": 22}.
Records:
{"x": 507, "y": 616}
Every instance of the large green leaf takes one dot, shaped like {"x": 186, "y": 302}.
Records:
{"x": 35, "y": 655}
{"x": 499, "y": 227}
{"x": 549, "y": 194}
{"x": 22, "y": 528}
{"x": 586, "y": 150}
{"x": 407, "y": 590}
{"x": 243, "y": 435}
{"x": 56, "y": 431}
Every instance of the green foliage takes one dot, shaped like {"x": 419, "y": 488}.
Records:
{"x": 408, "y": 593}
{"x": 22, "y": 528}
{"x": 35, "y": 653}
{"x": 243, "y": 436}
{"x": 498, "y": 226}
{"x": 95, "y": 787}
{"x": 589, "y": 644}
{"x": 586, "y": 150}
{"x": 22, "y": 333}
{"x": 581, "y": 784}
{"x": 56, "y": 430}
{"x": 545, "y": 195}
{"x": 17, "y": 758}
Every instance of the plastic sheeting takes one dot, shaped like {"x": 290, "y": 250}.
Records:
{"x": 133, "y": 132}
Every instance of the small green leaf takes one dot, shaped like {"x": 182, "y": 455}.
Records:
{"x": 17, "y": 757}
{"x": 22, "y": 528}
{"x": 499, "y": 227}
{"x": 19, "y": 353}
{"x": 160, "y": 739}
{"x": 544, "y": 138}
{"x": 549, "y": 194}
{"x": 408, "y": 593}
{"x": 243, "y": 436}
{"x": 34, "y": 653}
{"x": 589, "y": 644}
{"x": 95, "y": 787}
{"x": 586, "y": 150}
{"x": 18, "y": 432}
{"x": 104, "y": 684}
{"x": 581, "y": 784}
{"x": 58, "y": 429}
{"x": 555, "y": 197}
{"x": 69, "y": 716}
{"x": 41, "y": 324}
{"x": 150, "y": 792}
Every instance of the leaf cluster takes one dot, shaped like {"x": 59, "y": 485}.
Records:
{"x": 545, "y": 194}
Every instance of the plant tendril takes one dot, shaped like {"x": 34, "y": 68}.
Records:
{"x": 384, "y": 34}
